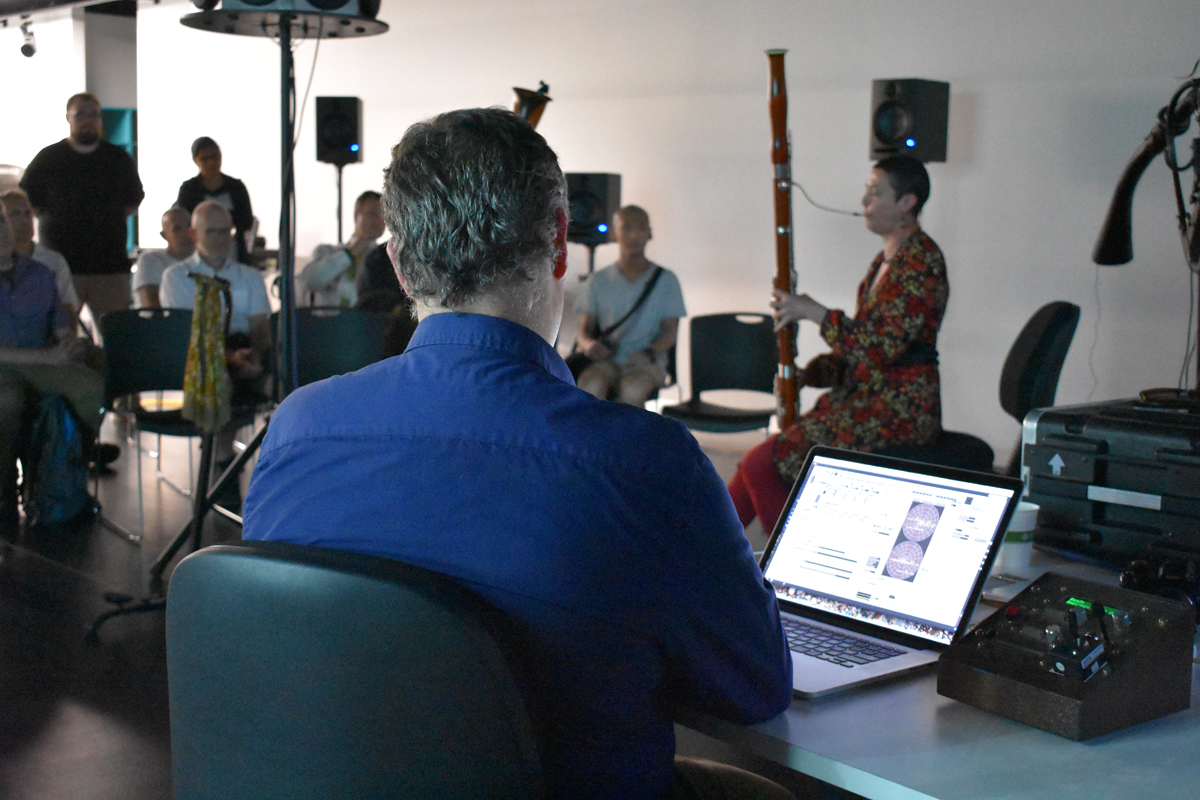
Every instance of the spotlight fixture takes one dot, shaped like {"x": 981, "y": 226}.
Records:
{"x": 30, "y": 46}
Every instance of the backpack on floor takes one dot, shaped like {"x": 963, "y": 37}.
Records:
{"x": 56, "y": 470}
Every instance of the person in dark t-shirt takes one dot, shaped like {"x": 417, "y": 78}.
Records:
{"x": 212, "y": 184}
{"x": 82, "y": 189}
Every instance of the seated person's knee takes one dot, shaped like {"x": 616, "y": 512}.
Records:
{"x": 599, "y": 379}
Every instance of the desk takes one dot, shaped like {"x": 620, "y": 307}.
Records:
{"x": 902, "y": 740}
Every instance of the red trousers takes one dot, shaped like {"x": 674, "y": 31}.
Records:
{"x": 757, "y": 488}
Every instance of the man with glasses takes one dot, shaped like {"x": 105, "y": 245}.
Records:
{"x": 249, "y": 311}
{"x": 82, "y": 189}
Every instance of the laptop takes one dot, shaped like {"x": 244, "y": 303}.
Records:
{"x": 889, "y": 552}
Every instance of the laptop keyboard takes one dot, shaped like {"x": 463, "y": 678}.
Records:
{"x": 837, "y": 648}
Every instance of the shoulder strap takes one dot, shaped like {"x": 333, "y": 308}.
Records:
{"x": 638, "y": 304}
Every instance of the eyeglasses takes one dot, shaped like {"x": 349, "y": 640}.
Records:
{"x": 85, "y": 115}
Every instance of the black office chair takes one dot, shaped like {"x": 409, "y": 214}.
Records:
{"x": 304, "y": 672}
{"x": 729, "y": 351}
{"x": 1028, "y": 380}
{"x": 333, "y": 341}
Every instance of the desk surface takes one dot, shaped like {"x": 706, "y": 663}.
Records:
{"x": 902, "y": 739}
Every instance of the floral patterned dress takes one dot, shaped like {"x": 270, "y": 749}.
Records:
{"x": 890, "y": 392}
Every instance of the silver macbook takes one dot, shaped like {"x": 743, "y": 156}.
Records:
{"x": 890, "y": 554}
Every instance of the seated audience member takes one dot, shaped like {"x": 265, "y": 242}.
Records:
{"x": 601, "y": 530}
{"x": 629, "y": 360}
{"x": 329, "y": 278}
{"x": 375, "y": 283}
{"x": 379, "y": 289}
{"x": 20, "y": 218}
{"x": 151, "y": 264}
{"x": 212, "y": 184}
{"x": 38, "y": 354}
{"x": 249, "y": 312}
{"x": 883, "y": 367}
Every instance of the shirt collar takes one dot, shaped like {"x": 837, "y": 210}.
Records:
{"x": 195, "y": 262}
{"x": 490, "y": 333}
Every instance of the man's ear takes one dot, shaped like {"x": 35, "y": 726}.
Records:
{"x": 907, "y": 202}
{"x": 391, "y": 251}
{"x": 560, "y": 244}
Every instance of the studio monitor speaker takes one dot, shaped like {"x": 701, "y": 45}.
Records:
{"x": 593, "y": 198}
{"x": 909, "y": 117}
{"x": 339, "y": 130}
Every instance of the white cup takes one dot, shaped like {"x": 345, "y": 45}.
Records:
{"x": 1013, "y": 558}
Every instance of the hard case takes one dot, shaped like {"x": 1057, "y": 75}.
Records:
{"x": 1115, "y": 480}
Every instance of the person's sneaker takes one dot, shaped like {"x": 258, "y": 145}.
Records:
{"x": 100, "y": 454}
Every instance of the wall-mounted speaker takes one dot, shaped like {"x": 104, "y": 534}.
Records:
{"x": 593, "y": 198}
{"x": 339, "y": 130}
{"x": 909, "y": 117}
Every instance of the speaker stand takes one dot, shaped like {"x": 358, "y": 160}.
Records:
{"x": 339, "y": 202}
{"x": 283, "y": 26}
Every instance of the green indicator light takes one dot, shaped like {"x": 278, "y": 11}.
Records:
{"x": 1075, "y": 601}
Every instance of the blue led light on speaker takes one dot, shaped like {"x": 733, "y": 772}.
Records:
{"x": 911, "y": 142}
{"x": 354, "y": 148}
{"x": 602, "y": 228}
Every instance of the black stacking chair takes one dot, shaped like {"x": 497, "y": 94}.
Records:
{"x": 304, "y": 672}
{"x": 145, "y": 350}
{"x": 729, "y": 351}
{"x": 1028, "y": 380}
{"x": 333, "y": 341}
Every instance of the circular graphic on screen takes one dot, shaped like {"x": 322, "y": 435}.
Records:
{"x": 921, "y": 521}
{"x": 904, "y": 560}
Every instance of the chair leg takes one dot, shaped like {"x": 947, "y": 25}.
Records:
{"x": 132, "y": 536}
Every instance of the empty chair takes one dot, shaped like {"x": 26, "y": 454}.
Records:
{"x": 1028, "y": 380}
{"x": 304, "y": 672}
{"x": 334, "y": 341}
{"x": 145, "y": 350}
{"x": 729, "y": 351}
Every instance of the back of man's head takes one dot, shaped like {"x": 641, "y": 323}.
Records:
{"x": 471, "y": 199}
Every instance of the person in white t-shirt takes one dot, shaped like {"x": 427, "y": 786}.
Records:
{"x": 631, "y": 361}
{"x": 328, "y": 279}
{"x": 151, "y": 264}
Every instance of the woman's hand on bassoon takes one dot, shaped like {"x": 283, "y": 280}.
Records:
{"x": 789, "y": 308}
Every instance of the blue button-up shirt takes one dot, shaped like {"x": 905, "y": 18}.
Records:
{"x": 600, "y": 528}
{"x": 30, "y": 310}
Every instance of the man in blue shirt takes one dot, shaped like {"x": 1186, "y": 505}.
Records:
{"x": 38, "y": 354}
{"x": 599, "y": 528}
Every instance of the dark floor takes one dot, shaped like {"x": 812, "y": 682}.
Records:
{"x": 79, "y": 720}
{"x": 83, "y": 721}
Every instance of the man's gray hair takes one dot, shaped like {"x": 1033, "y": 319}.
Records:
{"x": 471, "y": 199}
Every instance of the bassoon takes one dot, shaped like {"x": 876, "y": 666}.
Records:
{"x": 787, "y": 389}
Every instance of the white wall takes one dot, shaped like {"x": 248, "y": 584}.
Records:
{"x": 1048, "y": 101}
{"x": 36, "y": 89}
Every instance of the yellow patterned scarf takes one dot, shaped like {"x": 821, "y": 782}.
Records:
{"x": 206, "y": 389}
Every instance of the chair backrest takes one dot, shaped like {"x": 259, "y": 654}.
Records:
{"x": 1029, "y": 378}
{"x": 733, "y": 351}
{"x": 334, "y": 341}
{"x": 145, "y": 350}
{"x": 305, "y": 672}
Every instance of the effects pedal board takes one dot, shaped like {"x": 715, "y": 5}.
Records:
{"x": 1076, "y": 658}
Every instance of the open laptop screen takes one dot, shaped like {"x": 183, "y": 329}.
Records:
{"x": 894, "y": 544}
